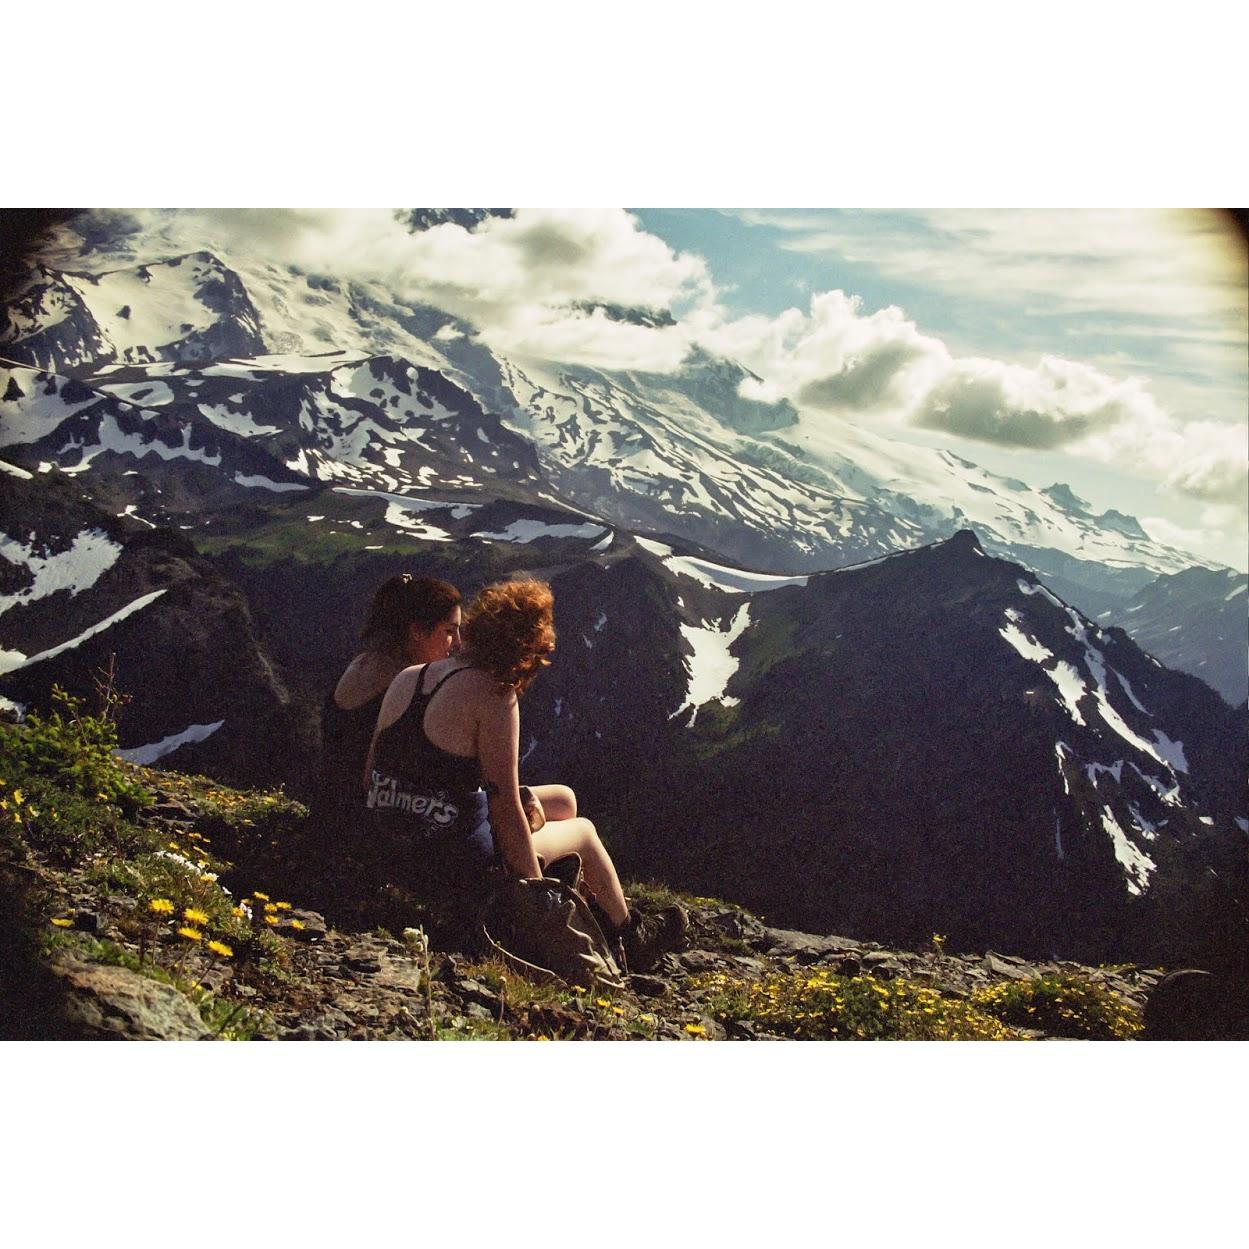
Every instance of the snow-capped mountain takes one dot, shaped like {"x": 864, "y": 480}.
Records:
{"x": 683, "y": 453}
{"x": 1197, "y": 621}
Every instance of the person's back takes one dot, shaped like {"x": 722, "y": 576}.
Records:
{"x": 410, "y": 620}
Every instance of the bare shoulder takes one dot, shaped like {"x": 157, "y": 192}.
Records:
{"x": 398, "y": 696}
{"x": 483, "y": 690}
{"x": 366, "y": 676}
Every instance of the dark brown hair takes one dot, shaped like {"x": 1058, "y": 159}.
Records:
{"x": 402, "y": 601}
{"x": 509, "y": 630}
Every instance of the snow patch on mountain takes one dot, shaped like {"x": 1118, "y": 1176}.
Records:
{"x": 413, "y": 503}
{"x": 263, "y": 483}
{"x": 151, "y": 306}
{"x": 241, "y": 423}
{"x": 41, "y": 407}
{"x": 1026, "y": 646}
{"x": 90, "y": 555}
{"x": 149, "y": 394}
{"x": 711, "y": 665}
{"x": 138, "y": 605}
{"x": 730, "y": 580}
{"x": 111, "y": 437}
{"x": 1137, "y": 865}
{"x": 531, "y": 530}
{"x": 147, "y": 755}
{"x": 402, "y": 518}
{"x": 1070, "y": 687}
{"x": 11, "y": 660}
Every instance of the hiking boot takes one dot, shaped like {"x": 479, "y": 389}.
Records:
{"x": 647, "y": 938}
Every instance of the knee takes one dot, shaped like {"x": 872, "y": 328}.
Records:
{"x": 560, "y": 802}
{"x": 569, "y": 799}
{"x": 587, "y": 834}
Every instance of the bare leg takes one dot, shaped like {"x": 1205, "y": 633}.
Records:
{"x": 557, "y": 838}
{"x": 558, "y": 801}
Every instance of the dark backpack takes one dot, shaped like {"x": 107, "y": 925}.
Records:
{"x": 544, "y": 929}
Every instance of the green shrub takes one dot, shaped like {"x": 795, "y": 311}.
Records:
{"x": 74, "y": 748}
{"x": 815, "y": 1005}
{"x": 1067, "y": 1006}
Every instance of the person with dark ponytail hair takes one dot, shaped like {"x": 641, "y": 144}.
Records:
{"x": 444, "y": 777}
{"x": 412, "y": 620}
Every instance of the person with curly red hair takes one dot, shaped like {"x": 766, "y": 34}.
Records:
{"x": 444, "y": 774}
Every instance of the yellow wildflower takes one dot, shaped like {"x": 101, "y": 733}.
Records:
{"x": 237, "y": 911}
{"x": 160, "y": 906}
{"x": 63, "y": 923}
{"x": 297, "y": 923}
{"x": 271, "y": 919}
{"x": 695, "y": 1029}
{"x": 601, "y": 1001}
{"x": 18, "y": 797}
{"x": 219, "y": 947}
{"x": 269, "y": 906}
{"x": 191, "y": 934}
{"x": 264, "y": 897}
{"x": 283, "y": 906}
{"x": 194, "y": 915}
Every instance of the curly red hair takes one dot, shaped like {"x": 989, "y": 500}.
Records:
{"x": 509, "y": 630}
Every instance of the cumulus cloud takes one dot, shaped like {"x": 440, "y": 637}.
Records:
{"x": 532, "y": 284}
{"x": 1055, "y": 404}
{"x": 835, "y": 358}
{"x": 879, "y": 368}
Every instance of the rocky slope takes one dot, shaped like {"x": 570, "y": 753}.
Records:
{"x": 95, "y": 958}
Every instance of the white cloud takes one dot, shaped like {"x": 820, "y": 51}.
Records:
{"x": 532, "y": 284}
{"x": 1175, "y": 263}
{"x": 880, "y": 368}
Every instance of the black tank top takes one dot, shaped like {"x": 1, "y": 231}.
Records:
{"x": 345, "y": 737}
{"x": 414, "y": 777}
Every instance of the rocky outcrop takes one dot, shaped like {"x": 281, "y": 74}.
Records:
{"x": 105, "y": 1003}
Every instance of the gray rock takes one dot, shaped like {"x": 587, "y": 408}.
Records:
{"x": 648, "y": 986}
{"x": 314, "y": 926}
{"x": 474, "y": 1010}
{"x": 116, "y": 1004}
{"x": 698, "y": 961}
{"x": 806, "y": 947}
{"x": 331, "y": 1025}
{"x": 1007, "y": 967}
{"x": 884, "y": 968}
{"x": 475, "y": 991}
{"x": 737, "y": 924}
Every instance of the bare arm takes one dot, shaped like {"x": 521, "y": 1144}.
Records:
{"x": 498, "y": 743}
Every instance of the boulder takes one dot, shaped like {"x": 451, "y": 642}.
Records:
{"x": 115, "y": 1004}
{"x": 807, "y": 947}
{"x": 1006, "y": 966}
